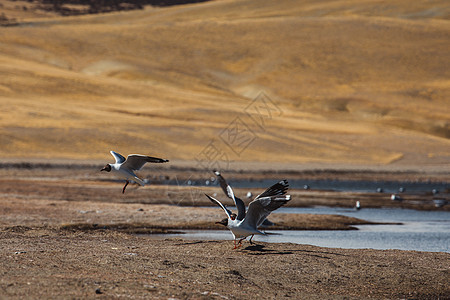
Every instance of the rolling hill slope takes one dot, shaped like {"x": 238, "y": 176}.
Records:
{"x": 267, "y": 81}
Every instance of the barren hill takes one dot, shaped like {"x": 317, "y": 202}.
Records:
{"x": 333, "y": 82}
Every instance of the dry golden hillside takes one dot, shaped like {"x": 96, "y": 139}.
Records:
{"x": 332, "y": 82}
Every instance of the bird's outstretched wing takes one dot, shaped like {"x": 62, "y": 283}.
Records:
{"x": 272, "y": 199}
{"x": 279, "y": 188}
{"x": 240, "y": 205}
{"x": 119, "y": 158}
{"x": 260, "y": 209}
{"x": 217, "y": 202}
{"x": 135, "y": 161}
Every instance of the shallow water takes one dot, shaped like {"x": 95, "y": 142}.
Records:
{"x": 421, "y": 231}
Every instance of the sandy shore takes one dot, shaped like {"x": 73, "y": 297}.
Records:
{"x": 42, "y": 263}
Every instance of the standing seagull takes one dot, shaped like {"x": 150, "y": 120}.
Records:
{"x": 125, "y": 167}
{"x": 258, "y": 210}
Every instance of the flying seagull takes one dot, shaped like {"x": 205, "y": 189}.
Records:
{"x": 240, "y": 205}
{"x": 258, "y": 210}
{"x": 125, "y": 168}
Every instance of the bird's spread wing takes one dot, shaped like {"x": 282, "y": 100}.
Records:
{"x": 119, "y": 158}
{"x": 217, "y": 202}
{"x": 136, "y": 161}
{"x": 279, "y": 188}
{"x": 272, "y": 199}
{"x": 223, "y": 183}
{"x": 260, "y": 209}
{"x": 240, "y": 205}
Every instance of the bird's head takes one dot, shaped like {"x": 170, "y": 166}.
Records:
{"x": 224, "y": 222}
{"x": 106, "y": 168}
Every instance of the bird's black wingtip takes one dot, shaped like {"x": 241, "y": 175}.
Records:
{"x": 284, "y": 183}
{"x": 210, "y": 198}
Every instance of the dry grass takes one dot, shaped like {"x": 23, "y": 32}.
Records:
{"x": 358, "y": 83}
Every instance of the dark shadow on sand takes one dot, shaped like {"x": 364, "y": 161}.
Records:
{"x": 256, "y": 249}
{"x": 198, "y": 242}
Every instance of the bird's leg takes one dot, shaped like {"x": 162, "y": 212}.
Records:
{"x": 240, "y": 242}
{"x": 251, "y": 243}
{"x": 235, "y": 244}
{"x": 125, "y": 186}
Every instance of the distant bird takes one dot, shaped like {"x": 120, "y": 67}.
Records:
{"x": 240, "y": 205}
{"x": 440, "y": 202}
{"x": 435, "y": 191}
{"x": 379, "y": 190}
{"x": 401, "y": 189}
{"x": 395, "y": 197}
{"x": 249, "y": 195}
{"x": 306, "y": 187}
{"x": 125, "y": 168}
{"x": 258, "y": 210}
{"x": 358, "y": 205}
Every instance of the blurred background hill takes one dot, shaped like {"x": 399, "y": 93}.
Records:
{"x": 295, "y": 82}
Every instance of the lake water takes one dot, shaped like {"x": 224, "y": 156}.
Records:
{"x": 421, "y": 230}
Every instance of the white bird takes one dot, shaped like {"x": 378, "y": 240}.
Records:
{"x": 395, "y": 197}
{"x": 240, "y": 205}
{"x": 125, "y": 168}
{"x": 258, "y": 210}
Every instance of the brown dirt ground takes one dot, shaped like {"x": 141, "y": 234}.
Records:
{"x": 110, "y": 265}
{"x": 71, "y": 236}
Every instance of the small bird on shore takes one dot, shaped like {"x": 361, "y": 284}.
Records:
{"x": 395, "y": 197}
{"x": 258, "y": 210}
{"x": 125, "y": 168}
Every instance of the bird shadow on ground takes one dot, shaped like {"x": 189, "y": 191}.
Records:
{"x": 256, "y": 249}
{"x": 318, "y": 253}
{"x": 198, "y": 242}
